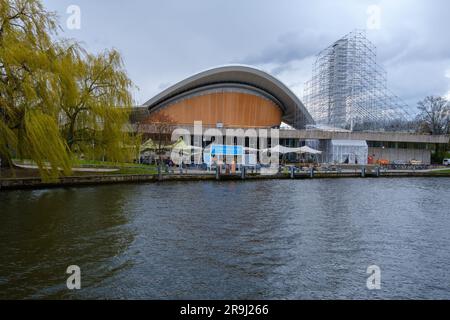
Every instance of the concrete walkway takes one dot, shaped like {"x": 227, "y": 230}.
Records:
{"x": 98, "y": 170}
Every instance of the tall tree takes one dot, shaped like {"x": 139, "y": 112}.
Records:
{"x": 434, "y": 116}
{"x": 96, "y": 103}
{"x": 28, "y": 108}
{"x": 56, "y": 100}
{"x": 158, "y": 127}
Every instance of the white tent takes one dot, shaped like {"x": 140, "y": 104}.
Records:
{"x": 346, "y": 151}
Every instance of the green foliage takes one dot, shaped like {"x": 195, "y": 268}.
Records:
{"x": 438, "y": 156}
{"x": 28, "y": 110}
{"x": 96, "y": 104}
{"x": 56, "y": 100}
{"x": 42, "y": 127}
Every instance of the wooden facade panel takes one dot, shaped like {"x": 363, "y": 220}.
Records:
{"x": 233, "y": 109}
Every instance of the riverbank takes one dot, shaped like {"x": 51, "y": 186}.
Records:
{"x": 85, "y": 180}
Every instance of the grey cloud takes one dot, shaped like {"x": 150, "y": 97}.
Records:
{"x": 163, "y": 41}
{"x": 289, "y": 47}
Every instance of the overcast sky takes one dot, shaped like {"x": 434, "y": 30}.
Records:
{"x": 164, "y": 41}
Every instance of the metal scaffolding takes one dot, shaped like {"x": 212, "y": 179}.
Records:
{"x": 348, "y": 89}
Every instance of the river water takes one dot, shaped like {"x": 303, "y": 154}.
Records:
{"x": 275, "y": 239}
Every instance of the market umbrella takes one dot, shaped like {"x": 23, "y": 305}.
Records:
{"x": 312, "y": 151}
{"x": 251, "y": 149}
{"x": 183, "y": 146}
{"x": 282, "y": 149}
{"x": 309, "y": 150}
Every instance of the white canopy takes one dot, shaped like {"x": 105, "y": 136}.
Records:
{"x": 309, "y": 150}
{"x": 180, "y": 145}
{"x": 148, "y": 145}
{"x": 250, "y": 149}
{"x": 283, "y": 150}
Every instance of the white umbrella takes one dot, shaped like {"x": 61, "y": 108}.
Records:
{"x": 282, "y": 149}
{"x": 180, "y": 145}
{"x": 148, "y": 145}
{"x": 309, "y": 150}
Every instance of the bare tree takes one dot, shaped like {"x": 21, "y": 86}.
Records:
{"x": 434, "y": 116}
{"x": 159, "y": 128}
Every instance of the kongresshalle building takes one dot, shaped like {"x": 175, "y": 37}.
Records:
{"x": 238, "y": 96}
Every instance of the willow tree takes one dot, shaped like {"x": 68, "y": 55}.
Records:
{"x": 96, "y": 102}
{"x": 28, "y": 86}
{"x": 55, "y": 99}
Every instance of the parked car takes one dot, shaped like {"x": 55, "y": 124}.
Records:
{"x": 446, "y": 162}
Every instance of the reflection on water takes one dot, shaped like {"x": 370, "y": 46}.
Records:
{"x": 43, "y": 232}
{"x": 252, "y": 240}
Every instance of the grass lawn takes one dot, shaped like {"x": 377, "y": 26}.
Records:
{"x": 106, "y": 164}
{"x": 137, "y": 170}
{"x": 124, "y": 168}
{"x": 442, "y": 171}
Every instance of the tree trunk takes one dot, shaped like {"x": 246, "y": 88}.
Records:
{"x": 4, "y": 163}
{"x": 160, "y": 167}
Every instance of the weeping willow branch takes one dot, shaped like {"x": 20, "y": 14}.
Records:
{"x": 56, "y": 100}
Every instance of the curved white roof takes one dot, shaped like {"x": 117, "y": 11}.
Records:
{"x": 294, "y": 112}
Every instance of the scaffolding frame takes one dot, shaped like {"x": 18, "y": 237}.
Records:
{"x": 348, "y": 89}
